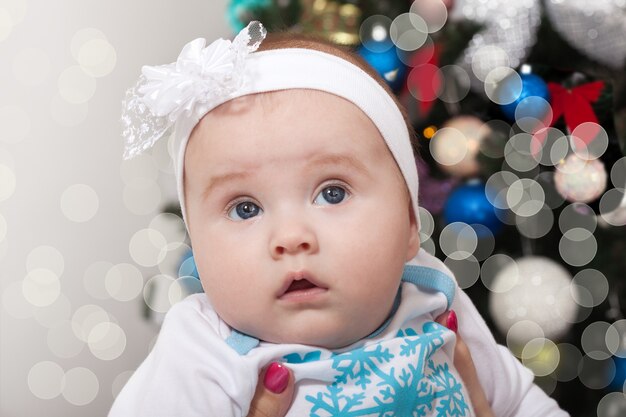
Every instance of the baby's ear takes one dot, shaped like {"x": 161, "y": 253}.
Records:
{"x": 414, "y": 236}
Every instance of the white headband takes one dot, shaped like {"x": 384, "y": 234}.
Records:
{"x": 181, "y": 93}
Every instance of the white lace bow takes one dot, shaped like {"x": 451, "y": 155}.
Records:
{"x": 201, "y": 76}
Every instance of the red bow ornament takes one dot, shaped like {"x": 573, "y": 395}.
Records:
{"x": 575, "y": 105}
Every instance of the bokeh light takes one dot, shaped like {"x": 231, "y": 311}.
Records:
{"x": 596, "y": 374}
{"x": 525, "y": 197}
{"x": 466, "y": 270}
{"x": 578, "y": 246}
{"x": 85, "y": 318}
{"x": 427, "y": 223}
{"x": 492, "y": 266}
{"x": 148, "y": 247}
{"x": 46, "y": 380}
{"x": 455, "y": 83}
{"x": 612, "y": 404}
{"x": 549, "y": 146}
{"x": 589, "y": 140}
{"x": 106, "y": 341}
{"x": 618, "y": 173}
{"x": 595, "y": 284}
{"x": 517, "y": 153}
{"x": 613, "y": 207}
{"x": 97, "y": 57}
{"x": 80, "y": 386}
{"x": 537, "y": 225}
{"x": 156, "y": 293}
{"x": 541, "y": 356}
{"x": 449, "y": 146}
{"x": 41, "y": 287}
{"x": 45, "y": 257}
{"x": 577, "y": 215}
{"x": 490, "y": 58}
{"x": 94, "y": 279}
{"x": 183, "y": 287}
{"x": 619, "y": 349}
{"x": 434, "y": 13}
{"x": 594, "y": 340}
{"x": 570, "y": 357}
{"x": 374, "y": 33}
{"x": 79, "y": 203}
{"x": 75, "y": 85}
{"x": 123, "y": 282}
{"x": 503, "y": 85}
{"x": 408, "y": 31}
{"x": 552, "y": 197}
{"x": 458, "y": 240}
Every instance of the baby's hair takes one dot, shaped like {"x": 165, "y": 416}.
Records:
{"x": 283, "y": 40}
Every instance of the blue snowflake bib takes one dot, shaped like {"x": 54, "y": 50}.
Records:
{"x": 404, "y": 369}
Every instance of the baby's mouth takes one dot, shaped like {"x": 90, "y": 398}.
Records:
{"x": 300, "y": 286}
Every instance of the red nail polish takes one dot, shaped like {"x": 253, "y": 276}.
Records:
{"x": 451, "y": 322}
{"x": 276, "y": 378}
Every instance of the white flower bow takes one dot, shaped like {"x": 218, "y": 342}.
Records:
{"x": 200, "y": 75}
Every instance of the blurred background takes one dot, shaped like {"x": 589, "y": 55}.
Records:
{"x": 519, "y": 109}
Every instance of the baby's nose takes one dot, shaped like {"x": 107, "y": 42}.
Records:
{"x": 292, "y": 238}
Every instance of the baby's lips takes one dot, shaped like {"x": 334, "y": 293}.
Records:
{"x": 293, "y": 276}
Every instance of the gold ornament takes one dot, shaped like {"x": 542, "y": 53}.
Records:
{"x": 333, "y": 20}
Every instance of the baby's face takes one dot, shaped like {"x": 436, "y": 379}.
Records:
{"x": 299, "y": 217}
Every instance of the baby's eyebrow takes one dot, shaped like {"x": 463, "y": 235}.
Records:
{"x": 220, "y": 180}
{"x": 333, "y": 159}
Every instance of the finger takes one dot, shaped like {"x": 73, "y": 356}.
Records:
{"x": 464, "y": 364}
{"x": 274, "y": 392}
{"x": 449, "y": 320}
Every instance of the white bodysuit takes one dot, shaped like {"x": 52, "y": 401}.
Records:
{"x": 200, "y": 367}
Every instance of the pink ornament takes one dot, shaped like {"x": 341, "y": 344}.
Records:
{"x": 580, "y": 180}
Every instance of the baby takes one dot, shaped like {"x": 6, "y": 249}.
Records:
{"x": 298, "y": 187}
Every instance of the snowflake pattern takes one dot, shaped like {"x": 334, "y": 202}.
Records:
{"x": 370, "y": 382}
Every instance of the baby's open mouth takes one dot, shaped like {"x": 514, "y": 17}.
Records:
{"x": 300, "y": 286}
{"x": 303, "y": 284}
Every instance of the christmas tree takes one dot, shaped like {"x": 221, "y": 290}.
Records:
{"x": 520, "y": 112}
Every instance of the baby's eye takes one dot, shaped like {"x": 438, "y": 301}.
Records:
{"x": 333, "y": 194}
{"x": 244, "y": 210}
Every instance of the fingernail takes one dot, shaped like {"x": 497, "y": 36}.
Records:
{"x": 451, "y": 321}
{"x": 276, "y": 378}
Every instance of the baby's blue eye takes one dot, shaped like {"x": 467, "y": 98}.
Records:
{"x": 244, "y": 210}
{"x": 331, "y": 195}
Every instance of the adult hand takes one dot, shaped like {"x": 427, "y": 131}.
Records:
{"x": 465, "y": 366}
{"x": 274, "y": 392}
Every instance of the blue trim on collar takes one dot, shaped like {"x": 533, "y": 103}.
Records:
{"x": 431, "y": 279}
{"x": 241, "y": 342}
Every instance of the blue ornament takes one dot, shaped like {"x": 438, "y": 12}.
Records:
{"x": 239, "y": 12}
{"x": 469, "y": 204}
{"x": 383, "y": 57}
{"x": 532, "y": 100}
{"x": 187, "y": 267}
{"x": 620, "y": 373}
